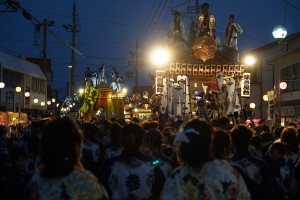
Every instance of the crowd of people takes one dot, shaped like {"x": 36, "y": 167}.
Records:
{"x": 114, "y": 159}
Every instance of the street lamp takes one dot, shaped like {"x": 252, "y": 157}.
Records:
{"x": 18, "y": 90}
{"x": 279, "y": 33}
{"x": 35, "y": 100}
{"x": 2, "y": 85}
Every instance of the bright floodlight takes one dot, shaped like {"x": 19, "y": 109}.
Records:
{"x": 265, "y": 97}
{"x": 250, "y": 60}
{"x": 252, "y": 105}
{"x": 160, "y": 56}
{"x": 279, "y": 32}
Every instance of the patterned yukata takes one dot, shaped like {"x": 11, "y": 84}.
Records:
{"x": 215, "y": 180}
{"x": 78, "y": 184}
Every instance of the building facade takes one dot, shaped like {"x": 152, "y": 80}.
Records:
{"x": 16, "y": 71}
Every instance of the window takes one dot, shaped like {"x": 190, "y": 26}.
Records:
{"x": 291, "y": 75}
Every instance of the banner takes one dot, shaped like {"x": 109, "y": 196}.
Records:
{"x": 159, "y": 84}
{"x": 245, "y": 86}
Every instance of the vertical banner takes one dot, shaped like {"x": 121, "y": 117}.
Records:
{"x": 245, "y": 86}
{"x": 159, "y": 81}
{"x": 271, "y": 105}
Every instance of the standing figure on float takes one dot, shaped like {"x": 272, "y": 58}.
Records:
{"x": 177, "y": 30}
{"x": 206, "y": 22}
{"x": 231, "y": 32}
{"x": 116, "y": 80}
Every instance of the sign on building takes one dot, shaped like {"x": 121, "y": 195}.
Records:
{"x": 245, "y": 86}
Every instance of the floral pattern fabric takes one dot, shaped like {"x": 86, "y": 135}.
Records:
{"x": 76, "y": 185}
{"x": 215, "y": 180}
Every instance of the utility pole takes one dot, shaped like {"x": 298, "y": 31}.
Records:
{"x": 45, "y": 25}
{"x": 136, "y": 63}
{"x": 74, "y": 28}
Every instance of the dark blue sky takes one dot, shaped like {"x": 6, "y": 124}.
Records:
{"x": 110, "y": 27}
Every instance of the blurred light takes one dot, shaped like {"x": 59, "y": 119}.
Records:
{"x": 42, "y": 103}
{"x": 279, "y": 32}
{"x": 48, "y": 102}
{"x": 283, "y": 85}
{"x": 27, "y": 94}
{"x": 265, "y": 97}
{"x": 18, "y": 89}
{"x": 252, "y": 105}
{"x": 81, "y": 90}
{"x": 53, "y": 100}
{"x": 2, "y": 85}
{"x": 124, "y": 90}
{"x": 135, "y": 110}
{"x": 57, "y": 105}
{"x": 70, "y": 66}
{"x": 35, "y": 100}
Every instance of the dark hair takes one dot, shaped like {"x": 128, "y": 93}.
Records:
{"x": 231, "y": 16}
{"x": 60, "y": 143}
{"x": 154, "y": 139}
{"x": 221, "y": 144}
{"x": 138, "y": 132}
{"x": 277, "y": 131}
{"x": 224, "y": 123}
{"x": 115, "y": 131}
{"x": 205, "y": 4}
{"x": 198, "y": 150}
{"x": 289, "y": 138}
{"x": 134, "y": 148}
{"x": 241, "y": 137}
{"x": 90, "y": 130}
{"x": 278, "y": 147}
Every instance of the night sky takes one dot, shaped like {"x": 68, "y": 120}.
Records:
{"x": 108, "y": 29}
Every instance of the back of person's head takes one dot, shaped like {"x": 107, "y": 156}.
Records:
{"x": 289, "y": 138}
{"x": 266, "y": 137}
{"x": 221, "y": 144}
{"x": 241, "y": 136}
{"x": 90, "y": 131}
{"x": 292, "y": 124}
{"x": 154, "y": 139}
{"x": 224, "y": 123}
{"x": 277, "y": 131}
{"x": 132, "y": 136}
{"x": 195, "y": 142}
{"x": 61, "y": 146}
{"x": 115, "y": 131}
{"x": 135, "y": 120}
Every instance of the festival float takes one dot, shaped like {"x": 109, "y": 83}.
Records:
{"x": 202, "y": 80}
